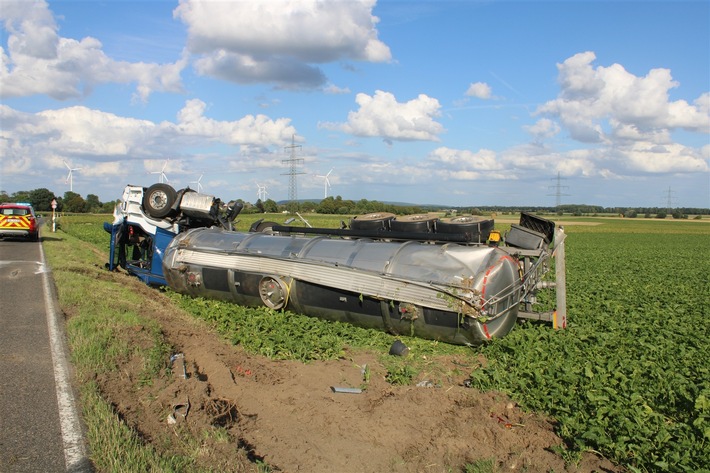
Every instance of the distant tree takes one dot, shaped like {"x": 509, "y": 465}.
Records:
{"x": 74, "y": 203}
{"x": 20, "y": 196}
{"x": 93, "y": 204}
{"x": 260, "y": 206}
{"x": 327, "y": 206}
{"x": 41, "y": 199}
{"x": 108, "y": 207}
{"x": 661, "y": 214}
{"x": 271, "y": 206}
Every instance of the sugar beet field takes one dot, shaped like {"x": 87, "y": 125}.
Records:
{"x": 630, "y": 377}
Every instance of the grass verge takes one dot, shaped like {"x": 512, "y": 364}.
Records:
{"x": 99, "y": 313}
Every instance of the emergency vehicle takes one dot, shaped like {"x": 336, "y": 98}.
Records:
{"x": 18, "y": 220}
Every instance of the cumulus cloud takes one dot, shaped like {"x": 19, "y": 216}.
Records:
{"x": 285, "y": 73}
{"x": 100, "y": 137}
{"x": 480, "y": 90}
{"x": 464, "y": 160}
{"x": 672, "y": 157}
{"x": 591, "y": 98}
{"x": 382, "y": 116}
{"x": 629, "y": 118}
{"x": 543, "y": 128}
{"x": 279, "y": 42}
{"x": 254, "y": 130}
{"x": 39, "y": 61}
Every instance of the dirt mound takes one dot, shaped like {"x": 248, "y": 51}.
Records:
{"x": 297, "y": 417}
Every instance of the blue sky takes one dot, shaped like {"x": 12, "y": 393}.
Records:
{"x": 460, "y": 103}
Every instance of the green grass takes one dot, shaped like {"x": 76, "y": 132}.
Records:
{"x": 115, "y": 447}
{"x": 106, "y": 330}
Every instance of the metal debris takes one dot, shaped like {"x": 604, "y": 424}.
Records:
{"x": 179, "y": 356}
{"x": 346, "y": 390}
{"x": 399, "y": 349}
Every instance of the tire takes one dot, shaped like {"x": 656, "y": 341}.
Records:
{"x": 477, "y": 229}
{"x": 419, "y": 223}
{"x": 265, "y": 227}
{"x": 373, "y": 221}
{"x": 159, "y": 199}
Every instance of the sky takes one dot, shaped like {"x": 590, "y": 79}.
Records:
{"x": 453, "y": 103}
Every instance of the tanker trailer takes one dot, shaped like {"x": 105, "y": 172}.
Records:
{"x": 453, "y": 293}
{"x": 442, "y": 280}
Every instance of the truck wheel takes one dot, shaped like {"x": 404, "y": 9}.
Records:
{"x": 158, "y": 200}
{"x": 420, "y": 223}
{"x": 265, "y": 227}
{"x": 373, "y": 221}
{"x": 477, "y": 229}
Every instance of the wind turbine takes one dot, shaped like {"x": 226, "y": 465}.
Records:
{"x": 199, "y": 185}
{"x": 70, "y": 176}
{"x": 326, "y": 184}
{"x": 162, "y": 173}
{"x": 261, "y": 193}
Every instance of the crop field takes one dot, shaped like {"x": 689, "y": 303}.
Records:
{"x": 630, "y": 376}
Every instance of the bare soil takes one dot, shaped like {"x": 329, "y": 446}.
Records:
{"x": 284, "y": 416}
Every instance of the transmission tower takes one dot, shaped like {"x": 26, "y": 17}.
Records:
{"x": 292, "y": 162}
{"x": 669, "y": 199}
{"x": 558, "y": 189}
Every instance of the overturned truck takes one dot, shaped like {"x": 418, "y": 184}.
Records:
{"x": 455, "y": 280}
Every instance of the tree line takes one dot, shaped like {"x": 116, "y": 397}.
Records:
{"x": 71, "y": 202}
{"x": 41, "y": 199}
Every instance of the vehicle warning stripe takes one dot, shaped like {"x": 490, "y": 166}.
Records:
{"x": 16, "y": 221}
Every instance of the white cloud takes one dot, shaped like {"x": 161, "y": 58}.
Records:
{"x": 39, "y": 61}
{"x": 255, "y": 130}
{"x": 33, "y": 31}
{"x": 480, "y": 90}
{"x": 543, "y": 128}
{"x": 629, "y": 118}
{"x": 672, "y": 157}
{"x": 101, "y": 138}
{"x": 464, "y": 160}
{"x": 381, "y": 115}
{"x": 333, "y": 89}
{"x": 277, "y": 42}
{"x": 594, "y": 98}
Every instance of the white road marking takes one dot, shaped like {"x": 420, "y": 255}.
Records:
{"x": 74, "y": 450}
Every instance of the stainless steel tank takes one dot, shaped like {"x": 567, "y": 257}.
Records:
{"x": 463, "y": 294}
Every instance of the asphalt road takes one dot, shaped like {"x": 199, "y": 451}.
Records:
{"x": 39, "y": 423}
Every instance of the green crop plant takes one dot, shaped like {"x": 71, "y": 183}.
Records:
{"x": 628, "y": 378}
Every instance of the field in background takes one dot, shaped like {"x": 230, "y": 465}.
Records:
{"x": 629, "y": 378}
